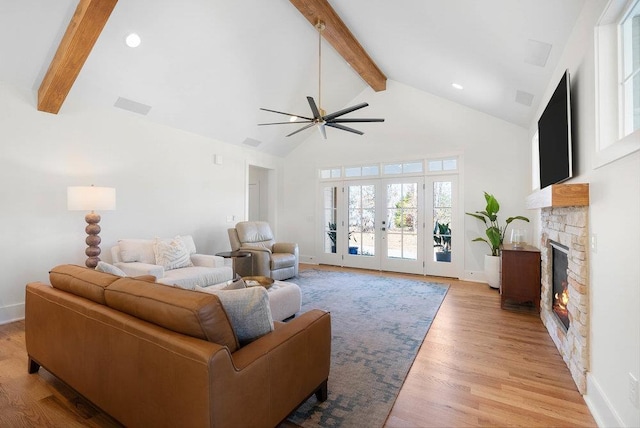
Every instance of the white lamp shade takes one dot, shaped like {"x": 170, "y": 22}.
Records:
{"x": 91, "y": 198}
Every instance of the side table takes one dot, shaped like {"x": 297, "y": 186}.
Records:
{"x": 233, "y": 255}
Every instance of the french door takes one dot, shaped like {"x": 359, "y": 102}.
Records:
{"x": 387, "y": 224}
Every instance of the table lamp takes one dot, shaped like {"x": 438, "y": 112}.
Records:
{"x": 91, "y": 198}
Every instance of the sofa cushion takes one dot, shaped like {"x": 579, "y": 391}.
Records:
{"x": 137, "y": 250}
{"x": 171, "y": 254}
{"x": 183, "y": 311}
{"x": 81, "y": 281}
{"x": 249, "y": 311}
{"x": 189, "y": 277}
{"x": 107, "y": 268}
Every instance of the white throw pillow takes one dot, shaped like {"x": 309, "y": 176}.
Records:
{"x": 137, "y": 250}
{"x": 188, "y": 242}
{"x": 172, "y": 254}
{"x": 248, "y": 310}
{"x": 107, "y": 268}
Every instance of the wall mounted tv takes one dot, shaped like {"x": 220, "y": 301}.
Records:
{"x": 554, "y": 136}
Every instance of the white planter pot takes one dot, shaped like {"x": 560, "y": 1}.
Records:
{"x": 492, "y": 270}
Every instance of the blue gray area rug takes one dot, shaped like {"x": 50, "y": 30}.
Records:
{"x": 378, "y": 324}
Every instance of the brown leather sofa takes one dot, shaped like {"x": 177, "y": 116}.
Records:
{"x": 153, "y": 355}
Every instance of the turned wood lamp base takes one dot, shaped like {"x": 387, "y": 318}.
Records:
{"x": 93, "y": 240}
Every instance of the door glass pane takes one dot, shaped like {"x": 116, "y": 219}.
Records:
{"x": 442, "y": 214}
{"x": 401, "y": 219}
{"x": 362, "y": 220}
{"x": 330, "y": 203}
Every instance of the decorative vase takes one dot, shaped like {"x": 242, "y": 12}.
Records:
{"x": 353, "y": 250}
{"x": 492, "y": 270}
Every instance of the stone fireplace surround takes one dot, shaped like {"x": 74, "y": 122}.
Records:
{"x": 564, "y": 219}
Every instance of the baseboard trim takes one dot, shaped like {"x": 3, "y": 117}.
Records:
{"x": 11, "y": 313}
{"x": 600, "y": 406}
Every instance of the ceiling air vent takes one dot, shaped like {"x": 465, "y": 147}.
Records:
{"x": 536, "y": 53}
{"x": 134, "y": 106}
{"x": 524, "y": 98}
{"x": 251, "y": 142}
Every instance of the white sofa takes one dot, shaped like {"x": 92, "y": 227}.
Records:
{"x": 137, "y": 257}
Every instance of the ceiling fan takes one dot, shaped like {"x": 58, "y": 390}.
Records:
{"x": 320, "y": 118}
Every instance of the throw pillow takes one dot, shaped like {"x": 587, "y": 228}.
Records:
{"x": 172, "y": 254}
{"x": 248, "y": 310}
{"x": 107, "y": 268}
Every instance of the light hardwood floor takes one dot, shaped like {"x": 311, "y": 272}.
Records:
{"x": 478, "y": 366}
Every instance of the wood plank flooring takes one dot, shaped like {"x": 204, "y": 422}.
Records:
{"x": 478, "y": 366}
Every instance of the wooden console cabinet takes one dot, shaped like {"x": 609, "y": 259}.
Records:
{"x": 520, "y": 275}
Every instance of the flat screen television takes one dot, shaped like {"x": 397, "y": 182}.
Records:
{"x": 554, "y": 136}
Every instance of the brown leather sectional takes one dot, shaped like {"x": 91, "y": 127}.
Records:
{"x": 153, "y": 355}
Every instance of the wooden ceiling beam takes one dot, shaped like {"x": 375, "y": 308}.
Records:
{"x": 84, "y": 29}
{"x": 339, "y": 36}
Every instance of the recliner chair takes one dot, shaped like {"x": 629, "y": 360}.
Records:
{"x": 277, "y": 260}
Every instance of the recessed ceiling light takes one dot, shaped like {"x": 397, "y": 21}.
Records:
{"x": 293, "y": 118}
{"x": 133, "y": 40}
{"x": 457, "y": 86}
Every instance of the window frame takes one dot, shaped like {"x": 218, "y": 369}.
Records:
{"x": 611, "y": 141}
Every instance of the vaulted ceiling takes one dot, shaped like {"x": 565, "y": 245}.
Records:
{"x": 207, "y": 66}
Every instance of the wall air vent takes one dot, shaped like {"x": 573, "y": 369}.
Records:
{"x": 134, "y": 106}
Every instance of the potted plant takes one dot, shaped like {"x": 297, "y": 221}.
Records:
{"x": 442, "y": 240}
{"x": 333, "y": 236}
{"x": 495, "y": 236}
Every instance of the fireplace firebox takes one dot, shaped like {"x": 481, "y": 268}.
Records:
{"x": 560, "y": 294}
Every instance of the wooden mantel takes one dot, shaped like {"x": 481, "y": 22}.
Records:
{"x": 559, "y": 195}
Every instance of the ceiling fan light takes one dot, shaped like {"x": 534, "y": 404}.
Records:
{"x": 293, "y": 118}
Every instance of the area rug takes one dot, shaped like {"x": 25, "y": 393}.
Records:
{"x": 378, "y": 324}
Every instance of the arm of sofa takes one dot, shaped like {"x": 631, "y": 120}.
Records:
{"x": 207, "y": 260}
{"x": 277, "y": 372}
{"x": 139, "y": 269}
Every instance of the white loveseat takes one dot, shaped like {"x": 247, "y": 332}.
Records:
{"x": 137, "y": 257}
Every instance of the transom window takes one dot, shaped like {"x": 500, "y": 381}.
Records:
{"x": 408, "y": 168}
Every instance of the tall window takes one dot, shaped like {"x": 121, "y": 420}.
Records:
{"x": 630, "y": 31}
{"x": 617, "y": 81}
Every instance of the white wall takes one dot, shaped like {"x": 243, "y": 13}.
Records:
{"x": 614, "y": 216}
{"x": 165, "y": 179}
{"x": 496, "y": 158}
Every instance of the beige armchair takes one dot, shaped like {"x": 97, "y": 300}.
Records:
{"x": 277, "y": 260}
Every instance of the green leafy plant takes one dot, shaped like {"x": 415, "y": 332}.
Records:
{"x": 495, "y": 233}
{"x": 332, "y": 234}
{"x": 442, "y": 237}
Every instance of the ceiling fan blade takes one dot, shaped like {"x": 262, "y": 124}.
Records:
{"x": 284, "y": 123}
{"x": 344, "y": 128}
{"x": 287, "y": 114}
{"x": 301, "y": 129}
{"x": 345, "y": 111}
{"x": 314, "y": 108}
{"x": 323, "y": 131}
{"x": 354, "y": 120}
